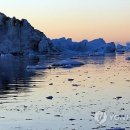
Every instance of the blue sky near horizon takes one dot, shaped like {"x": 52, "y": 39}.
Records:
{"x": 79, "y": 19}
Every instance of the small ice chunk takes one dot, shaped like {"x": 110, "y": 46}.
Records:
{"x": 116, "y": 129}
{"x": 67, "y": 63}
{"x": 35, "y": 67}
{"x": 128, "y": 58}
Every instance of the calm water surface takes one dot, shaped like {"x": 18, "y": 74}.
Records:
{"x": 102, "y": 84}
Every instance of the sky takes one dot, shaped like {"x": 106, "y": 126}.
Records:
{"x": 78, "y": 19}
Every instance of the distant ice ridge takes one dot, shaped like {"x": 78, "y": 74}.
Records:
{"x": 94, "y": 47}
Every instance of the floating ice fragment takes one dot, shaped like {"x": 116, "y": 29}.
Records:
{"x": 67, "y": 63}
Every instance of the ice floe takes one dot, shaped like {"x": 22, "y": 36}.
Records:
{"x": 68, "y": 63}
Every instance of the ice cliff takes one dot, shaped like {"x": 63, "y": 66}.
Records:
{"x": 18, "y": 36}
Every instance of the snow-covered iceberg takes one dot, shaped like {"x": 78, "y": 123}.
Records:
{"x": 63, "y": 44}
{"x": 120, "y": 48}
{"x": 128, "y": 47}
{"x": 18, "y": 36}
{"x": 110, "y": 48}
{"x": 97, "y": 45}
{"x": 94, "y": 47}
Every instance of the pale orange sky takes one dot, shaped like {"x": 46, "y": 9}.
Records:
{"x": 78, "y": 19}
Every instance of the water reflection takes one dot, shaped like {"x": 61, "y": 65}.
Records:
{"x": 15, "y": 78}
{"x": 110, "y": 58}
{"x": 13, "y": 75}
{"x": 78, "y": 93}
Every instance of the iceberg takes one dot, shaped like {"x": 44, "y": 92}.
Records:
{"x": 91, "y": 48}
{"x": 18, "y": 36}
{"x": 128, "y": 47}
{"x": 63, "y": 44}
{"x": 120, "y": 48}
{"x": 110, "y": 47}
{"x": 128, "y": 58}
{"x": 45, "y": 45}
{"x": 97, "y": 45}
